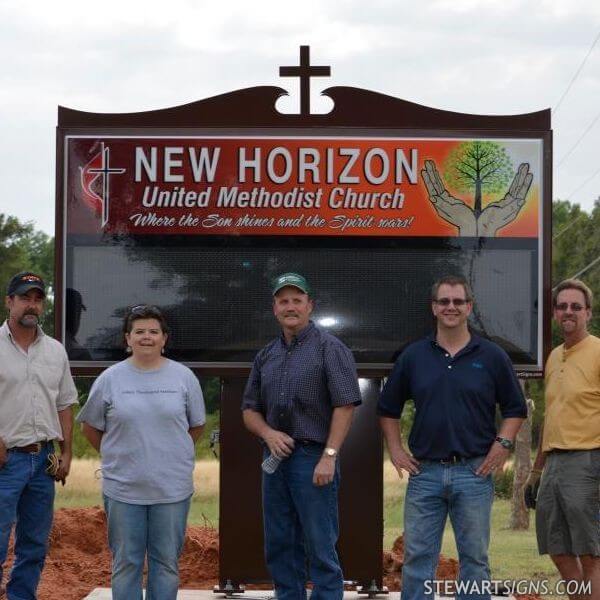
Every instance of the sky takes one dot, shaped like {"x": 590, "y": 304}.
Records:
{"x": 481, "y": 57}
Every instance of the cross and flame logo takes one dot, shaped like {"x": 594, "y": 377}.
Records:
{"x": 98, "y": 171}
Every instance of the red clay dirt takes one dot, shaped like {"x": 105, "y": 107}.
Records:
{"x": 79, "y": 561}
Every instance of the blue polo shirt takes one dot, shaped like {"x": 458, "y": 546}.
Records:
{"x": 455, "y": 397}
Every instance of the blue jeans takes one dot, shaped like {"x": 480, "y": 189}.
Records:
{"x": 27, "y": 497}
{"x": 137, "y": 529}
{"x": 436, "y": 492}
{"x": 301, "y": 523}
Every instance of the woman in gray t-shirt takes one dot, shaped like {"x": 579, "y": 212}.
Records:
{"x": 144, "y": 415}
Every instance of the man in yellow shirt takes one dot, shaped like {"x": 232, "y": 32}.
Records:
{"x": 568, "y": 502}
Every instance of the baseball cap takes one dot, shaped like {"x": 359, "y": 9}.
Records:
{"x": 22, "y": 282}
{"x": 293, "y": 279}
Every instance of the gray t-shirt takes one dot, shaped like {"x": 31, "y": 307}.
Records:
{"x": 147, "y": 452}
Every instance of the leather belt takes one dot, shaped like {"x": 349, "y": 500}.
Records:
{"x": 302, "y": 442}
{"x": 34, "y": 448}
{"x": 452, "y": 460}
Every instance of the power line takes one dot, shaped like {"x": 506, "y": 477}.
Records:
{"x": 585, "y": 269}
{"x": 584, "y": 183}
{"x": 576, "y": 74}
{"x": 555, "y": 237}
{"x": 587, "y": 130}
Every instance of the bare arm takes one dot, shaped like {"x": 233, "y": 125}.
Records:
{"x": 93, "y": 435}
{"x": 341, "y": 420}
{"x": 497, "y": 454}
{"x": 196, "y": 432}
{"x": 65, "y": 419}
{"x": 3, "y": 453}
{"x": 510, "y": 427}
{"x": 280, "y": 444}
{"x": 400, "y": 458}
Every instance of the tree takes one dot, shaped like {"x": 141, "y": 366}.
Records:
{"x": 482, "y": 164}
{"x": 13, "y": 256}
{"x": 519, "y": 514}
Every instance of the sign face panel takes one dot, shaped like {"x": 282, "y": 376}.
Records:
{"x": 304, "y": 186}
{"x": 200, "y": 224}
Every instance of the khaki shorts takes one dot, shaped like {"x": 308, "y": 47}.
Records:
{"x": 568, "y": 505}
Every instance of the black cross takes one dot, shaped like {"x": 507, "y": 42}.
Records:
{"x": 305, "y": 72}
{"x": 106, "y": 172}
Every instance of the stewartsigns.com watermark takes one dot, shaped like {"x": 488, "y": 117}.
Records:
{"x": 545, "y": 587}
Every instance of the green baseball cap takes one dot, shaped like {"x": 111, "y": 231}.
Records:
{"x": 292, "y": 279}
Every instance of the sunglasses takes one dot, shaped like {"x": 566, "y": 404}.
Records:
{"x": 145, "y": 309}
{"x": 449, "y": 301}
{"x": 575, "y": 306}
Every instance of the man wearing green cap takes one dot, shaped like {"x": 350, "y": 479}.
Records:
{"x": 299, "y": 400}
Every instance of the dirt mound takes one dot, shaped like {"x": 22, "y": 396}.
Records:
{"x": 79, "y": 560}
{"x": 392, "y": 566}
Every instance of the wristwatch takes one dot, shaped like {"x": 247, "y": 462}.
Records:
{"x": 330, "y": 452}
{"x": 505, "y": 443}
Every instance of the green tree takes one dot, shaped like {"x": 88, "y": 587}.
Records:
{"x": 484, "y": 166}
{"x": 13, "y": 256}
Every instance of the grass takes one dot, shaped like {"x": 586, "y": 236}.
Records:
{"x": 513, "y": 554}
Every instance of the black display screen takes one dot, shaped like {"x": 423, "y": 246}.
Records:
{"x": 371, "y": 293}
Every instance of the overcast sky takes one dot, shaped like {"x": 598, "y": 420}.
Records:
{"x": 487, "y": 57}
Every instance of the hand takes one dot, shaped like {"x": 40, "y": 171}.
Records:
{"x": 280, "y": 444}
{"x": 494, "y": 460}
{"x": 452, "y": 210}
{"x": 3, "y": 454}
{"x": 324, "y": 471}
{"x": 402, "y": 460}
{"x": 532, "y": 486}
{"x": 501, "y": 213}
{"x": 64, "y": 466}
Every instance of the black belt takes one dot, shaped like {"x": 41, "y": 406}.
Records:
{"x": 455, "y": 459}
{"x": 34, "y": 448}
{"x": 308, "y": 442}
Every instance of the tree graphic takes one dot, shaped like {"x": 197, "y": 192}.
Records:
{"x": 481, "y": 164}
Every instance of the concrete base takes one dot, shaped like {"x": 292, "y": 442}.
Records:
{"x": 104, "y": 594}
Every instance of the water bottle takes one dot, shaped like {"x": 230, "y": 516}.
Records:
{"x": 270, "y": 464}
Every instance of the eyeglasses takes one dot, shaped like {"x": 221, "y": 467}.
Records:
{"x": 145, "y": 309}
{"x": 449, "y": 301}
{"x": 575, "y": 306}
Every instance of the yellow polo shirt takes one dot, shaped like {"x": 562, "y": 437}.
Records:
{"x": 572, "y": 419}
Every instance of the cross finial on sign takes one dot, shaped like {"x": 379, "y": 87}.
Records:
{"x": 305, "y": 72}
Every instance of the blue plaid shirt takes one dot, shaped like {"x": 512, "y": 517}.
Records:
{"x": 296, "y": 387}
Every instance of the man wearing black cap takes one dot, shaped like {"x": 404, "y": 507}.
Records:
{"x": 299, "y": 400}
{"x": 36, "y": 394}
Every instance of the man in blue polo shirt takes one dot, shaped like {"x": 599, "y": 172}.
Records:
{"x": 299, "y": 400}
{"x": 455, "y": 380}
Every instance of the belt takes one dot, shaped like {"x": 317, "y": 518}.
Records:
{"x": 34, "y": 448}
{"x": 455, "y": 459}
{"x": 452, "y": 460}
{"x": 307, "y": 442}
